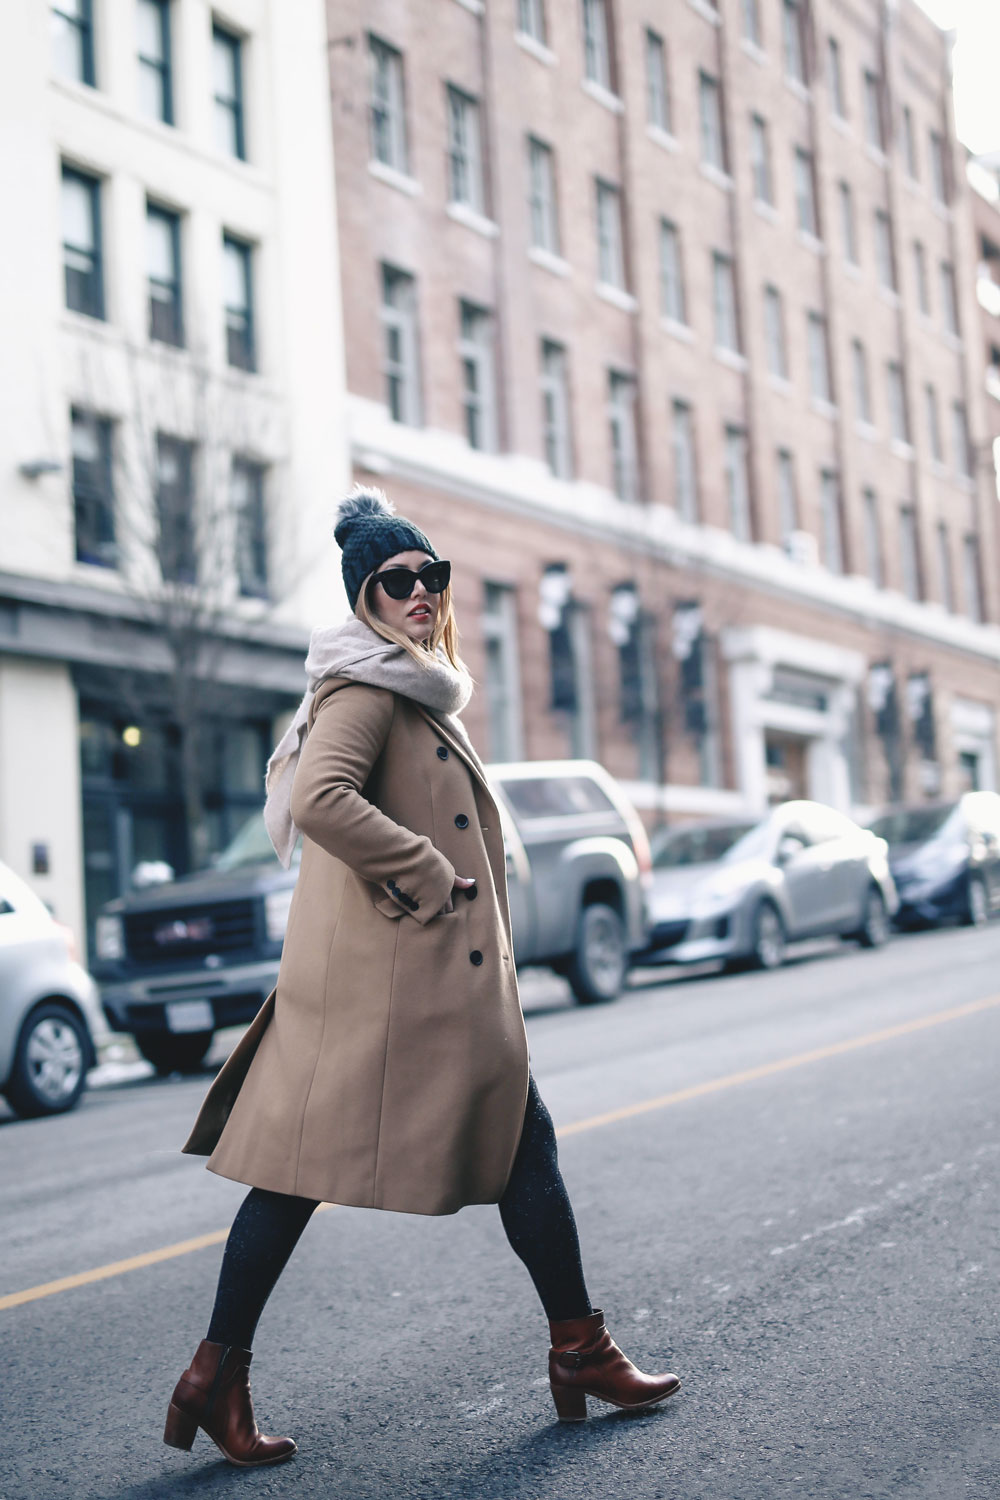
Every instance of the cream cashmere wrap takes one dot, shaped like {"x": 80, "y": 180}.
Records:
{"x": 353, "y": 650}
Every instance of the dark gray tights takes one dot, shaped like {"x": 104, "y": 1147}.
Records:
{"x": 535, "y": 1211}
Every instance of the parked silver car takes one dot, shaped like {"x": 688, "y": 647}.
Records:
{"x": 49, "y": 1009}
{"x": 739, "y": 892}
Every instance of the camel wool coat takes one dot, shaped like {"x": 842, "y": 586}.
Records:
{"x": 389, "y": 1069}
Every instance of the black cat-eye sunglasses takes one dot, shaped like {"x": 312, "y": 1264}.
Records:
{"x": 398, "y": 582}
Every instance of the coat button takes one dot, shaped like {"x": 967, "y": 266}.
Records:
{"x": 475, "y": 957}
{"x": 461, "y": 821}
{"x": 472, "y": 893}
{"x": 442, "y": 752}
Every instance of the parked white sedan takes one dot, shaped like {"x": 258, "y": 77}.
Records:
{"x": 49, "y": 1009}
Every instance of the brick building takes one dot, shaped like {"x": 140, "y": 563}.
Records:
{"x": 984, "y": 179}
{"x": 662, "y": 321}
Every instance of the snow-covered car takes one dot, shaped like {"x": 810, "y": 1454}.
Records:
{"x": 50, "y": 1013}
{"x": 740, "y": 892}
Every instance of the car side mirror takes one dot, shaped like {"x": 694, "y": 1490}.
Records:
{"x": 788, "y": 847}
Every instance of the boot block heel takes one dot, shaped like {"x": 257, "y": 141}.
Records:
{"x": 571, "y": 1404}
{"x": 180, "y": 1429}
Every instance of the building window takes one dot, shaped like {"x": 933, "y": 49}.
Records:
{"x": 805, "y": 193}
{"x": 873, "y": 538}
{"x": 465, "y": 163}
{"x": 685, "y": 463}
{"x": 829, "y": 506}
{"x": 610, "y": 259}
{"x": 909, "y": 561}
{"x": 835, "y": 71}
{"x": 909, "y": 144}
{"x": 713, "y": 153}
{"x": 793, "y": 42}
{"x": 939, "y": 168}
{"x": 657, "y": 89}
{"x": 388, "y": 114}
{"x": 819, "y": 358}
{"x": 673, "y": 298}
{"x": 542, "y": 196}
{"x": 227, "y": 82}
{"x": 502, "y": 675}
{"x": 93, "y": 489}
{"x": 848, "y": 225}
{"x": 475, "y": 352}
{"x": 737, "y": 483}
{"x": 622, "y": 434}
{"x": 399, "y": 324}
{"x": 727, "y": 333}
{"x": 175, "y": 546}
{"x": 81, "y": 237}
{"x": 899, "y": 421}
{"x": 973, "y": 585}
{"x": 556, "y": 430}
{"x": 237, "y": 282}
{"x": 156, "y": 93}
{"x": 760, "y": 160}
{"x": 862, "y": 384}
{"x": 933, "y": 424}
{"x": 531, "y": 19}
{"x": 788, "y": 497}
{"x": 752, "y": 33}
{"x": 920, "y": 277}
{"x": 949, "y": 297}
{"x": 883, "y": 250}
{"x": 163, "y": 269}
{"x": 72, "y": 27}
{"x": 596, "y": 52}
{"x": 774, "y": 333}
{"x": 247, "y": 495}
{"x": 872, "y": 94}
{"x": 960, "y": 439}
{"x": 944, "y": 568}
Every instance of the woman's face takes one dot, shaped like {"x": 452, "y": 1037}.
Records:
{"x": 415, "y": 616}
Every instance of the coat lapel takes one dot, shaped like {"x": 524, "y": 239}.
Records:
{"x": 462, "y": 750}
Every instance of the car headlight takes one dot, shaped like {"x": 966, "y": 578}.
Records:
{"x": 276, "y": 905}
{"x": 713, "y": 903}
{"x": 109, "y": 935}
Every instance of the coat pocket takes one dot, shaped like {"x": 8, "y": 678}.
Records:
{"x": 389, "y": 908}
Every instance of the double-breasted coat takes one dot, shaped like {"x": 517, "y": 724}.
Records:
{"x": 389, "y": 1069}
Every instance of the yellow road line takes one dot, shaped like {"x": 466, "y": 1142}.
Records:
{"x": 611, "y": 1117}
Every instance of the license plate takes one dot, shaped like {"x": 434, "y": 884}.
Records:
{"x": 190, "y": 1015}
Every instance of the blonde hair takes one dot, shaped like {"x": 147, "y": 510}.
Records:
{"x": 444, "y": 634}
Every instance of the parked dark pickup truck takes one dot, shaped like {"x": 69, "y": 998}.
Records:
{"x": 178, "y": 961}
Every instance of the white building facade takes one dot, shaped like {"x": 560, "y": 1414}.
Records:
{"x": 172, "y": 440}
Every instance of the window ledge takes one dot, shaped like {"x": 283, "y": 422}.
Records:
{"x": 549, "y": 261}
{"x": 866, "y": 430}
{"x": 824, "y": 408}
{"x": 706, "y": 11}
{"x": 889, "y": 296}
{"x": 939, "y": 468}
{"x": 842, "y": 126}
{"x": 757, "y": 54}
{"x": 476, "y": 7}
{"x": 766, "y": 211}
{"x": 942, "y": 210}
{"x": 953, "y": 340}
{"x": 393, "y": 178}
{"x": 798, "y": 88}
{"x": 535, "y": 48}
{"x": 902, "y": 450}
{"x": 663, "y": 138}
{"x": 617, "y": 296}
{"x": 912, "y": 185}
{"x": 682, "y": 331}
{"x": 810, "y": 242}
{"x": 876, "y": 154}
{"x": 717, "y": 176}
{"x": 479, "y": 223}
{"x": 603, "y": 96}
{"x": 780, "y": 384}
{"x": 852, "y": 269}
{"x": 731, "y": 358}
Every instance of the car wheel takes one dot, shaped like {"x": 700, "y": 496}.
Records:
{"x": 174, "y": 1054}
{"x": 768, "y": 938}
{"x": 597, "y": 967}
{"x": 50, "y": 1065}
{"x": 874, "y": 929}
{"x": 977, "y": 906}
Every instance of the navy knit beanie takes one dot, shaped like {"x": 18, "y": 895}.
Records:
{"x": 369, "y": 531}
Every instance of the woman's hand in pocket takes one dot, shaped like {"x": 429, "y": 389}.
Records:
{"x": 462, "y": 883}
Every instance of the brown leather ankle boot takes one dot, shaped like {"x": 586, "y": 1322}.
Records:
{"x": 214, "y": 1394}
{"x": 585, "y": 1361}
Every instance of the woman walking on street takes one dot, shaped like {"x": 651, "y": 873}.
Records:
{"x": 389, "y": 1069}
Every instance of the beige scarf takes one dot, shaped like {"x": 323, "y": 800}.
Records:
{"x": 355, "y": 651}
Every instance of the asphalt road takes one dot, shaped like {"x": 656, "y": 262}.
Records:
{"x": 804, "y": 1226}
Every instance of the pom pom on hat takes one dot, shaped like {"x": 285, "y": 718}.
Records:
{"x": 362, "y": 501}
{"x": 369, "y": 531}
